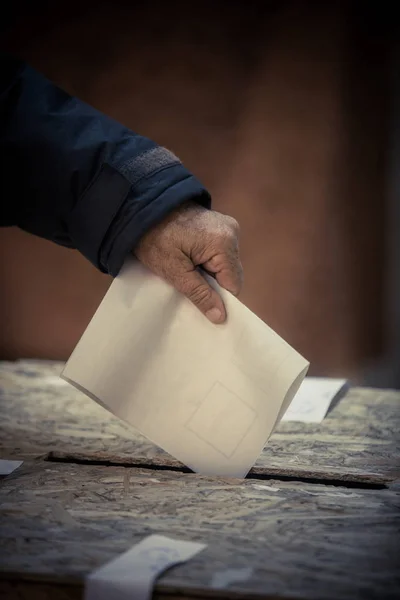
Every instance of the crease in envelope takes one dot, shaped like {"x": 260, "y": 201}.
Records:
{"x": 210, "y": 395}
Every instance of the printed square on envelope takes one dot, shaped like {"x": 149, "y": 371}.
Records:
{"x": 222, "y": 420}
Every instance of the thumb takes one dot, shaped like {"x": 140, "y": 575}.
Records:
{"x": 195, "y": 287}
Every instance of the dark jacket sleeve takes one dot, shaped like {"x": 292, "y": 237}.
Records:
{"x": 74, "y": 176}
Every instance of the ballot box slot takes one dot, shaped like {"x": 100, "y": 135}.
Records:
{"x": 372, "y": 482}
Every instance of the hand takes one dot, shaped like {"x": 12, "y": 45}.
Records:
{"x": 190, "y": 237}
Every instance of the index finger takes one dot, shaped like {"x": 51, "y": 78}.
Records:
{"x": 227, "y": 270}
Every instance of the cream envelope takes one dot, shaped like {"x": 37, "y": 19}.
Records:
{"x": 210, "y": 395}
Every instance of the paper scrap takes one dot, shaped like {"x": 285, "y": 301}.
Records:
{"x": 223, "y": 579}
{"x": 132, "y": 574}
{"x": 312, "y": 401}
{"x": 210, "y": 395}
{"x": 8, "y": 466}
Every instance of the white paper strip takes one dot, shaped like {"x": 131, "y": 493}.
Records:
{"x": 210, "y": 395}
{"x": 313, "y": 399}
{"x": 132, "y": 574}
{"x": 8, "y": 466}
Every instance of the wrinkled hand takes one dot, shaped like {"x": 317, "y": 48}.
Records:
{"x": 190, "y": 237}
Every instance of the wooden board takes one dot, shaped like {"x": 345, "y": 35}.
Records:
{"x": 359, "y": 441}
{"x": 58, "y": 522}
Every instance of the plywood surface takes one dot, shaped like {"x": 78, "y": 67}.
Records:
{"x": 297, "y": 540}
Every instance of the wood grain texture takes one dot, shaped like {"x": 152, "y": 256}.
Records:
{"x": 60, "y": 521}
{"x": 359, "y": 440}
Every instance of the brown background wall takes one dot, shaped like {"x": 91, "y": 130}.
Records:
{"x": 280, "y": 108}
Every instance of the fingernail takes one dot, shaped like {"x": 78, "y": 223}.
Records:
{"x": 214, "y": 315}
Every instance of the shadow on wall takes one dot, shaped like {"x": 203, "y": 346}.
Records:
{"x": 270, "y": 104}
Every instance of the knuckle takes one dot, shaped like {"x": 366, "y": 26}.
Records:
{"x": 200, "y": 294}
{"x": 226, "y": 236}
{"x": 232, "y": 231}
{"x": 234, "y": 225}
